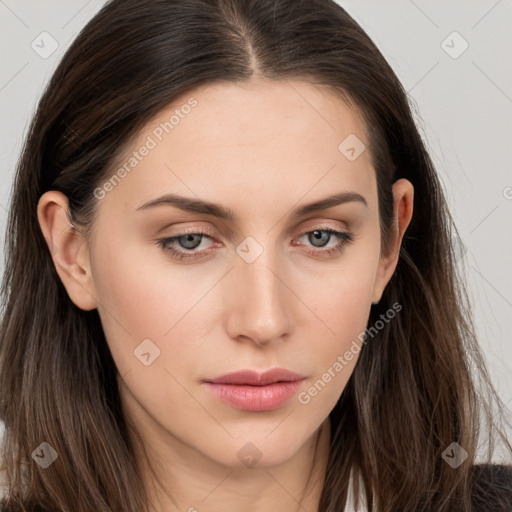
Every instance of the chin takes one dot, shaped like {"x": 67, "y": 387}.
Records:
{"x": 259, "y": 450}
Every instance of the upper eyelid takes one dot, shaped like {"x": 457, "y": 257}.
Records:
{"x": 197, "y": 231}
{"x": 314, "y": 227}
{"x": 206, "y": 233}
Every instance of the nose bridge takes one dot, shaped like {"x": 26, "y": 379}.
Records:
{"x": 259, "y": 309}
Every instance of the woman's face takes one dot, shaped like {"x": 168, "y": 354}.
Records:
{"x": 267, "y": 286}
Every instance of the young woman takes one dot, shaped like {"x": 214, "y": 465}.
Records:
{"x": 230, "y": 279}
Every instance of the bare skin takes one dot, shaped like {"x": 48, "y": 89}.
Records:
{"x": 261, "y": 149}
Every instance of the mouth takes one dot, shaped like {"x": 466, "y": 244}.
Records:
{"x": 250, "y": 390}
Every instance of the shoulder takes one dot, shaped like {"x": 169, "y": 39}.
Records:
{"x": 491, "y": 488}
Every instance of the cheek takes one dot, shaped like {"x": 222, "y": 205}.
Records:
{"x": 345, "y": 316}
{"x": 340, "y": 295}
{"x": 336, "y": 352}
{"x": 342, "y": 307}
{"x": 130, "y": 298}
{"x": 142, "y": 299}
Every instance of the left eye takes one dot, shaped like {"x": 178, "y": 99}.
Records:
{"x": 189, "y": 242}
{"x": 322, "y": 235}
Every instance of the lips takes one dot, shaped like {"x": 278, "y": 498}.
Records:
{"x": 249, "y": 390}
{"x": 254, "y": 378}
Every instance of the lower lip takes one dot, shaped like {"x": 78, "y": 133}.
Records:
{"x": 255, "y": 398}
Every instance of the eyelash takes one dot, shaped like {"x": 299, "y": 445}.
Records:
{"x": 344, "y": 238}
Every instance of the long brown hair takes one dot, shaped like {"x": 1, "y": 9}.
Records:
{"x": 418, "y": 386}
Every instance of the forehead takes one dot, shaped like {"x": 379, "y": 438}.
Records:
{"x": 262, "y": 112}
{"x": 268, "y": 138}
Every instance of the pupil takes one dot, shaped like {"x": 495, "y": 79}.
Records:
{"x": 318, "y": 234}
{"x": 189, "y": 241}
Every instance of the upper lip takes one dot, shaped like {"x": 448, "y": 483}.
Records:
{"x": 256, "y": 378}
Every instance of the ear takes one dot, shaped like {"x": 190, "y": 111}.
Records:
{"x": 403, "y": 193}
{"x": 68, "y": 248}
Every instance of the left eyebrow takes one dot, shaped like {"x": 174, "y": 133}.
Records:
{"x": 216, "y": 210}
{"x": 329, "y": 202}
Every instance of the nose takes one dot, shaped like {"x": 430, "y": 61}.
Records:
{"x": 259, "y": 302}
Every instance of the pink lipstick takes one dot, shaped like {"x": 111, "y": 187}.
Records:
{"x": 250, "y": 390}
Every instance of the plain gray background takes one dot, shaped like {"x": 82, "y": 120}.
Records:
{"x": 464, "y": 110}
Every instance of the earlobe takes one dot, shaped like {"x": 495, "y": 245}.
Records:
{"x": 403, "y": 194}
{"x": 68, "y": 249}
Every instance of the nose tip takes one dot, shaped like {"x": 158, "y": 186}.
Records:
{"x": 260, "y": 311}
